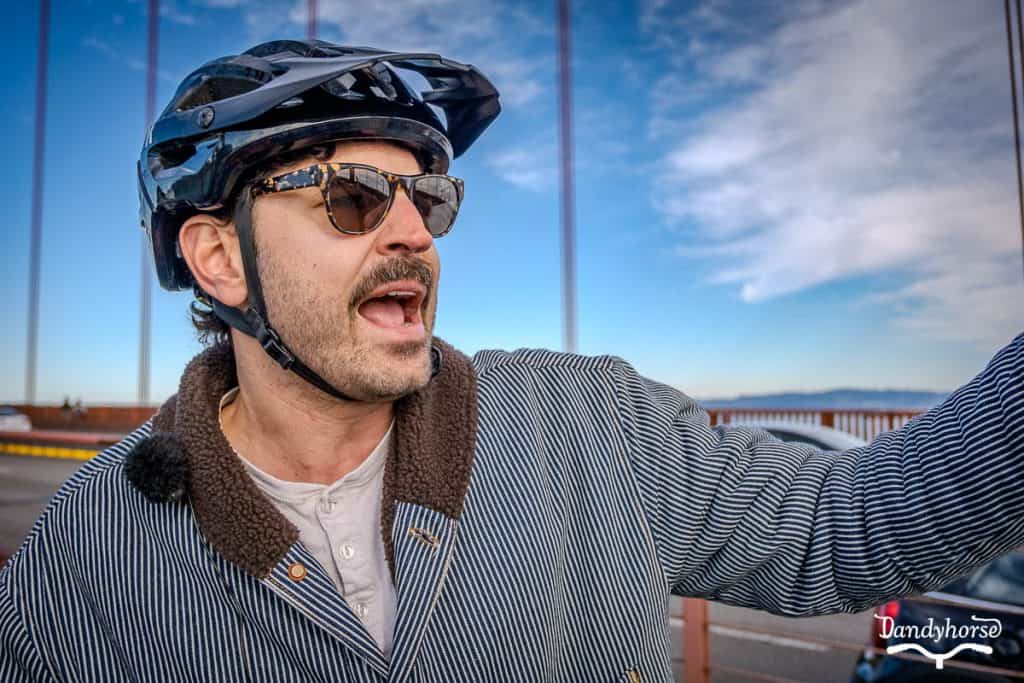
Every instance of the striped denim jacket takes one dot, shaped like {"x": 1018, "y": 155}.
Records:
{"x": 539, "y": 509}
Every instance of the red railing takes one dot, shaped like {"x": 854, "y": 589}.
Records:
{"x": 866, "y": 424}
{"x": 97, "y": 440}
{"x": 121, "y": 419}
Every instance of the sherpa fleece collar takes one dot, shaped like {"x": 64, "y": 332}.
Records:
{"x": 429, "y": 465}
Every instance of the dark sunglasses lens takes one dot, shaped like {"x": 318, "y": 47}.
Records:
{"x": 437, "y": 199}
{"x": 357, "y": 198}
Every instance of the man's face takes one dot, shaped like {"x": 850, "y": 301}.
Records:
{"x": 318, "y": 283}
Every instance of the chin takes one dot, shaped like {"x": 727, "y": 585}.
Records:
{"x": 411, "y": 349}
{"x": 395, "y": 370}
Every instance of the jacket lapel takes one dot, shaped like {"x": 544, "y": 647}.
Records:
{"x": 423, "y": 541}
{"x": 425, "y": 482}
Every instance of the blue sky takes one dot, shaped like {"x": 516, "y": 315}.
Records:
{"x": 771, "y": 196}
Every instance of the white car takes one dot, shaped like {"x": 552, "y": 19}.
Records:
{"x": 825, "y": 438}
{"x": 13, "y": 421}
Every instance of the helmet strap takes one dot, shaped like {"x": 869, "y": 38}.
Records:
{"x": 254, "y": 321}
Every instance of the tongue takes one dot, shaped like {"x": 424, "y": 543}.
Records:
{"x": 384, "y": 311}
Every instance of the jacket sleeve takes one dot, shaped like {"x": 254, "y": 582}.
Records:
{"x": 19, "y": 660}
{"x": 740, "y": 517}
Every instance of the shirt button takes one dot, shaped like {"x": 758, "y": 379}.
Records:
{"x": 347, "y": 551}
{"x": 362, "y": 610}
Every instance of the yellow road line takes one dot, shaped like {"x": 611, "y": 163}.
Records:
{"x": 47, "y": 451}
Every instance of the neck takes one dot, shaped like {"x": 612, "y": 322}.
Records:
{"x": 293, "y": 431}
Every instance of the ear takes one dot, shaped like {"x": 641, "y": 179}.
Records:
{"x": 210, "y": 247}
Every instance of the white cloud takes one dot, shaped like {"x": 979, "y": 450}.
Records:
{"x": 531, "y": 168}
{"x": 170, "y": 12}
{"x": 871, "y": 137}
{"x": 133, "y": 63}
{"x": 99, "y": 46}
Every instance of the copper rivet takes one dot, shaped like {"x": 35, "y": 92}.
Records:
{"x": 296, "y": 572}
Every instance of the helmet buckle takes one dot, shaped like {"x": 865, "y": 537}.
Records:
{"x": 272, "y": 344}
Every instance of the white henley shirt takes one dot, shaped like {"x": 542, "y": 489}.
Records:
{"x": 339, "y": 524}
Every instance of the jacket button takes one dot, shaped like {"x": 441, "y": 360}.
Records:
{"x": 296, "y": 571}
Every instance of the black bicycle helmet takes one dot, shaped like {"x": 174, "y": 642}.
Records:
{"x": 238, "y": 112}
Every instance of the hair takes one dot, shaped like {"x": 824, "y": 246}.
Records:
{"x": 210, "y": 329}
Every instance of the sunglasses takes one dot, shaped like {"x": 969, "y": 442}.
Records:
{"x": 357, "y": 197}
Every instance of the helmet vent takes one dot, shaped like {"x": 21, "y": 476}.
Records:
{"x": 283, "y": 49}
{"x": 220, "y": 79}
{"x": 341, "y": 87}
{"x": 169, "y": 157}
{"x": 214, "y": 90}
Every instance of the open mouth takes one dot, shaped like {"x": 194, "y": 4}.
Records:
{"x": 396, "y": 306}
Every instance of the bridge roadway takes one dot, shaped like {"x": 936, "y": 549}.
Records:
{"x": 27, "y": 482}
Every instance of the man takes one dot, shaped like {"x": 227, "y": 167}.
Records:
{"x": 336, "y": 494}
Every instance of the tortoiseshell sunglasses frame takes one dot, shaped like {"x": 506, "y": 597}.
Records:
{"x": 321, "y": 175}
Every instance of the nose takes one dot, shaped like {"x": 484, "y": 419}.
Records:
{"x": 403, "y": 228}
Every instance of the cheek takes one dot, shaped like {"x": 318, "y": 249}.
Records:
{"x": 311, "y": 265}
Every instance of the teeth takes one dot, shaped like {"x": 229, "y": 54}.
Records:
{"x": 401, "y": 293}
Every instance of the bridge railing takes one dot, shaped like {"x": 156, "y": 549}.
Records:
{"x": 90, "y": 418}
{"x": 863, "y": 423}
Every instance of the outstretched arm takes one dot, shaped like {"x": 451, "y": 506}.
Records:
{"x": 743, "y": 518}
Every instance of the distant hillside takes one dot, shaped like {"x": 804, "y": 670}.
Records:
{"x": 835, "y": 399}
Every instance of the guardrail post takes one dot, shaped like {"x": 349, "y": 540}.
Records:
{"x": 696, "y": 667}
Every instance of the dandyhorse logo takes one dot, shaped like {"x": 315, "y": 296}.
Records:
{"x": 982, "y": 629}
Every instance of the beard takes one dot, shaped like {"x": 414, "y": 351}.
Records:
{"x": 321, "y": 327}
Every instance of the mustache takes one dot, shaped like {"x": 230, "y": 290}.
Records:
{"x": 394, "y": 270}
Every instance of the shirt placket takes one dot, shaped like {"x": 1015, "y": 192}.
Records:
{"x": 351, "y": 557}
